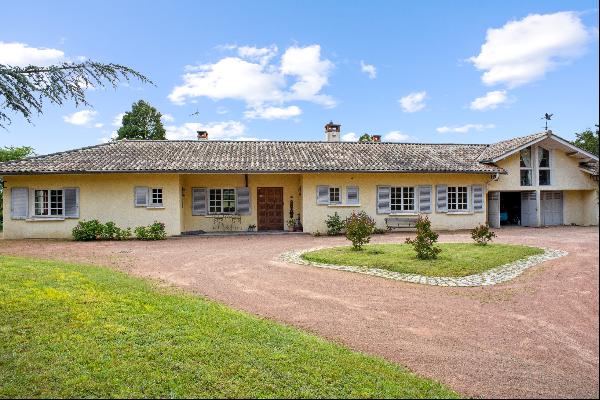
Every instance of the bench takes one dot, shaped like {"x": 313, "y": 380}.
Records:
{"x": 400, "y": 222}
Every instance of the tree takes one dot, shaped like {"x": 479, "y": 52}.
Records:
{"x": 587, "y": 140}
{"x": 365, "y": 138}
{"x": 142, "y": 122}
{"x": 9, "y": 154}
{"x": 23, "y": 89}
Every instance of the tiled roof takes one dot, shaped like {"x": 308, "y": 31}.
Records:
{"x": 258, "y": 156}
{"x": 590, "y": 167}
{"x": 496, "y": 150}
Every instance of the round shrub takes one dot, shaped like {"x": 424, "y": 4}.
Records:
{"x": 482, "y": 234}
{"x": 359, "y": 228}
{"x": 424, "y": 242}
{"x": 88, "y": 230}
{"x": 335, "y": 224}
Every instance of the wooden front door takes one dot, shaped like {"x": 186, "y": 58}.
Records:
{"x": 270, "y": 208}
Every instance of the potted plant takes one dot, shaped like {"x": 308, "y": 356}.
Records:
{"x": 290, "y": 224}
{"x": 251, "y": 228}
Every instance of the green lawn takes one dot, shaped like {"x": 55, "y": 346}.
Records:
{"x": 456, "y": 259}
{"x": 83, "y": 331}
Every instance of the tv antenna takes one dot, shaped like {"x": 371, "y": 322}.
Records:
{"x": 547, "y": 117}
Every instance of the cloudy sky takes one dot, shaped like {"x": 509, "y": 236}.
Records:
{"x": 443, "y": 71}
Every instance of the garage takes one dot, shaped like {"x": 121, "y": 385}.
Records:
{"x": 552, "y": 208}
{"x": 520, "y": 208}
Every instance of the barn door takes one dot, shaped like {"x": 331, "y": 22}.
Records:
{"x": 528, "y": 209}
{"x": 494, "y": 209}
{"x": 552, "y": 208}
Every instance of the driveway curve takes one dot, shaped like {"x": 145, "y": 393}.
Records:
{"x": 535, "y": 336}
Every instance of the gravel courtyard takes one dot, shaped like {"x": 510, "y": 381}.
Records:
{"x": 535, "y": 336}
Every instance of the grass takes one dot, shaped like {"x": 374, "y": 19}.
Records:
{"x": 83, "y": 331}
{"x": 456, "y": 259}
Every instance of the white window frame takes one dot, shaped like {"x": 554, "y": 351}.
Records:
{"x": 49, "y": 207}
{"x": 548, "y": 168}
{"x": 151, "y": 197}
{"x": 530, "y": 168}
{"x": 400, "y": 204}
{"x": 335, "y": 191}
{"x": 221, "y": 201}
{"x": 453, "y": 195}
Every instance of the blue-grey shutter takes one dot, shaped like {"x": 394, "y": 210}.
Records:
{"x": 198, "y": 201}
{"x": 441, "y": 198}
{"x": 141, "y": 196}
{"x": 477, "y": 195}
{"x": 242, "y": 196}
{"x": 383, "y": 199}
{"x": 19, "y": 203}
{"x": 425, "y": 199}
{"x": 352, "y": 195}
{"x": 71, "y": 198}
{"x": 322, "y": 194}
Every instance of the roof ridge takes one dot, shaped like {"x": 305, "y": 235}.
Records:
{"x": 56, "y": 153}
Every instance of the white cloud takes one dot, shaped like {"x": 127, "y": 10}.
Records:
{"x": 254, "y": 79}
{"x": 273, "y": 112}
{"x": 164, "y": 118}
{"x": 113, "y": 135}
{"x": 350, "y": 137}
{"x": 490, "y": 101}
{"x": 222, "y": 110}
{"x": 524, "y": 50}
{"x": 21, "y": 55}
{"x": 368, "y": 69}
{"x": 118, "y": 120}
{"x": 464, "y": 128}
{"x": 82, "y": 117}
{"x": 413, "y": 102}
{"x": 229, "y": 130}
{"x": 98, "y": 125}
{"x": 395, "y": 136}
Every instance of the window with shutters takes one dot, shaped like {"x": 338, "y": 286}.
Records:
{"x": 402, "y": 199}
{"x": 543, "y": 166}
{"x": 221, "y": 201}
{"x": 352, "y": 195}
{"x": 334, "y": 195}
{"x": 48, "y": 202}
{"x": 458, "y": 198}
{"x": 156, "y": 198}
{"x": 526, "y": 167}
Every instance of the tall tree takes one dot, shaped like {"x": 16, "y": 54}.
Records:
{"x": 9, "y": 154}
{"x": 142, "y": 122}
{"x": 23, "y": 89}
{"x": 587, "y": 140}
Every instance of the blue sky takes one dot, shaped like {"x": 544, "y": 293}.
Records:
{"x": 410, "y": 71}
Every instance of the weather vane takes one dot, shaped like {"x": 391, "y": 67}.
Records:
{"x": 547, "y": 117}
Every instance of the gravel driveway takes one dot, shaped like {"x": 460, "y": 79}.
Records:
{"x": 536, "y": 336}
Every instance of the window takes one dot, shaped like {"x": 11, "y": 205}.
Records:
{"x": 157, "y": 197}
{"x": 334, "y": 195}
{"x": 525, "y": 163}
{"x": 458, "y": 198}
{"x": 402, "y": 199}
{"x": 352, "y": 195}
{"x": 543, "y": 166}
{"x": 48, "y": 202}
{"x": 221, "y": 201}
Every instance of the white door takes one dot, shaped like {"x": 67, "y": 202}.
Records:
{"x": 528, "y": 209}
{"x": 552, "y": 208}
{"x": 494, "y": 209}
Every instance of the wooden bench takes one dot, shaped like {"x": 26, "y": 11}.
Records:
{"x": 400, "y": 222}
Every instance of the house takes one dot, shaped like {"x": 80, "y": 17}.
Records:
{"x": 202, "y": 185}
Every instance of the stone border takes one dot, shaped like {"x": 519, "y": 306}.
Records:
{"x": 493, "y": 276}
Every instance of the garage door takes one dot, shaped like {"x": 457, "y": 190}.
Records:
{"x": 528, "y": 209}
{"x": 552, "y": 208}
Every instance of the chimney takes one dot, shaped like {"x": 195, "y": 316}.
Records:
{"x": 332, "y": 132}
{"x": 202, "y": 135}
{"x": 376, "y": 138}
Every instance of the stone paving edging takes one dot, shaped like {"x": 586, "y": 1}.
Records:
{"x": 492, "y": 276}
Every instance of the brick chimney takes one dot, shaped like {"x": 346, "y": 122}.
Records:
{"x": 376, "y": 138}
{"x": 202, "y": 135}
{"x": 332, "y": 132}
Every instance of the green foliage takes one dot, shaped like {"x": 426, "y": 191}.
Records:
{"x": 482, "y": 234}
{"x": 359, "y": 228}
{"x": 80, "y": 331}
{"x": 379, "y": 231}
{"x": 424, "y": 242}
{"x": 365, "y": 137}
{"x": 23, "y": 90}
{"x": 335, "y": 224}
{"x": 10, "y": 153}
{"x": 85, "y": 231}
{"x": 142, "y": 122}
{"x": 155, "y": 231}
{"x": 588, "y": 141}
{"x": 110, "y": 231}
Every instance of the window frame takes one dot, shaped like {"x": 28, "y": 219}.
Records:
{"x": 398, "y": 204}
{"x": 335, "y": 191}
{"x": 221, "y": 200}
{"x": 529, "y": 169}
{"x": 453, "y": 193}
{"x": 49, "y": 203}
{"x": 540, "y": 168}
{"x": 151, "y": 202}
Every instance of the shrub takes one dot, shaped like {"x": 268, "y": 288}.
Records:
{"x": 424, "y": 242}
{"x": 88, "y": 230}
{"x": 379, "y": 231}
{"x": 335, "y": 224}
{"x": 359, "y": 228}
{"x": 155, "y": 231}
{"x": 482, "y": 234}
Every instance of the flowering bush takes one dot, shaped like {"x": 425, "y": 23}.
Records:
{"x": 424, "y": 242}
{"x": 88, "y": 230}
{"x": 482, "y": 234}
{"x": 155, "y": 231}
{"x": 359, "y": 228}
{"x": 335, "y": 225}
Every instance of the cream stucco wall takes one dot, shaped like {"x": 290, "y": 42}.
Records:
{"x": 315, "y": 215}
{"x": 289, "y": 183}
{"x": 106, "y": 197}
